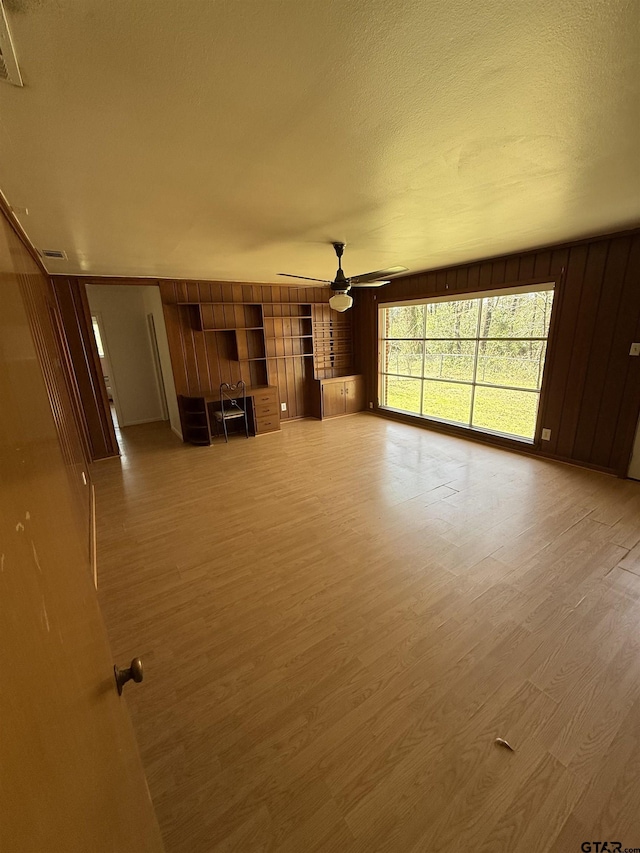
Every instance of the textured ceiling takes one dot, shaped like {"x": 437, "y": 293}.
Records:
{"x": 233, "y": 139}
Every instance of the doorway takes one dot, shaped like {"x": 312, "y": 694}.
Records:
{"x": 131, "y": 339}
{"x": 97, "y": 324}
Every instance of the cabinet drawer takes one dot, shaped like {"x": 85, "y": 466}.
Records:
{"x": 267, "y": 424}
{"x": 269, "y": 395}
{"x": 264, "y": 410}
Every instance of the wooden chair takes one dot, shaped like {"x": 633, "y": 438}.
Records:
{"x": 233, "y": 405}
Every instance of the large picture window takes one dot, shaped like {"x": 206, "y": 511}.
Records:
{"x": 474, "y": 362}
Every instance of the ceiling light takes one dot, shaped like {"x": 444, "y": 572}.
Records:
{"x": 341, "y": 301}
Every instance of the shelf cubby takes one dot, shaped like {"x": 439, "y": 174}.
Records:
{"x": 250, "y": 344}
{"x": 223, "y": 316}
{"x": 289, "y": 347}
{"x": 286, "y": 309}
{"x": 332, "y": 339}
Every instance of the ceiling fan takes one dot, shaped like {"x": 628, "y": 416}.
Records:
{"x": 341, "y": 285}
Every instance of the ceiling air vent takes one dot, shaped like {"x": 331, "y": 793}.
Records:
{"x": 54, "y": 253}
{"x": 9, "y": 70}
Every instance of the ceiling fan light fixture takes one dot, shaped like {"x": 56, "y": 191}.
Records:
{"x": 341, "y": 301}
{"x": 341, "y": 285}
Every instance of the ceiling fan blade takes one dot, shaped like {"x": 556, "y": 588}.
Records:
{"x": 305, "y": 277}
{"x": 371, "y": 283}
{"x": 377, "y": 274}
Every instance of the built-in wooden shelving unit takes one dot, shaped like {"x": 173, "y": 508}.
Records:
{"x": 196, "y": 428}
{"x": 288, "y": 330}
{"x": 332, "y": 343}
{"x": 239, "y": 328}
{"x": 288, "y": 345}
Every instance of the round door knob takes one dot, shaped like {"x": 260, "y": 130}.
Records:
{"x": 134, "y": 672}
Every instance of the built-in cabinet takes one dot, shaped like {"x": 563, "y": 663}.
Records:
{"x": 341, "y": 395}
{"x": 284, "y": 351}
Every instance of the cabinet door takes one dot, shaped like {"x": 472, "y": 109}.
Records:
{"x": 354, "y": 395}
{"x": 333, "y": 399}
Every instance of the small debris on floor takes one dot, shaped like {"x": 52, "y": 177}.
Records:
{"x": 502, "y": 742}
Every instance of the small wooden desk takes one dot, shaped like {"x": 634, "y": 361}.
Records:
{"x": 197, "y": 418}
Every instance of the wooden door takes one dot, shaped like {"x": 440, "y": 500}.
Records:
{"x": 354, "y": 395}
{"x": 333, "y": 399}
{"x": 71, "y": 780}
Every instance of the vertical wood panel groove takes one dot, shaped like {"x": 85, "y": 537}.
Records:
{"x": 75, "y": 323}
{"x": 53, "y": 363}
{"x": 591, "y": 394}
{"x": 622, "y": 383}
{"x": 600, "y": 352}
{"x": 585, "y": 326}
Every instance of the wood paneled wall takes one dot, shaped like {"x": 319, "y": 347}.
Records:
{"x": 591, "y": 394}
{"x": 17, "y": 265}
{"x": 73, "y": 307}
{"x": 201, "y": 361}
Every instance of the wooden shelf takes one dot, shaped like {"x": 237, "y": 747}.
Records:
{"x": 277, "y": 310}
{"x": 332, "y": 343}
{"x": 228, "y": 304}
{"x": 299, "y": 355}
{"x": 289, "y": 345}
{"x": 225, "y": 316}
{"x": 288, "y": 317}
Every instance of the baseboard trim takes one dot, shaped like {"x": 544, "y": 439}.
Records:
{"x": 147, "y": 421}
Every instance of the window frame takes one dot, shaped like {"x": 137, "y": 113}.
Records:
{"x": 531, "y": 287}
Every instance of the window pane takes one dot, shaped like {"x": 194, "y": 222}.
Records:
{"x": 511, "y": 412}
{"x": 405, "y": 321}
{"x": 520, "y": 315}
{"x": 447, "y": 402}
{"x": 402, "y": 394}
{"x": 453, "y": 319}
{"x": 511, "y": 363}
{"x": 439, "y": 342}
{"x": 449, "y": 360}
{"x": 404, "y": 357}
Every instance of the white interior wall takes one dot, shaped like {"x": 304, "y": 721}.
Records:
{"x": 153, "y": 305}
{"x": 124, "y": 312}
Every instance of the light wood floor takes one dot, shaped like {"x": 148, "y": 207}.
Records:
{"x": 337, "y": 621}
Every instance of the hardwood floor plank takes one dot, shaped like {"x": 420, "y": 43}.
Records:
{"x": 608, "y": 807}
{"x": 332, "y": 642}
